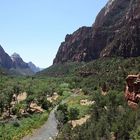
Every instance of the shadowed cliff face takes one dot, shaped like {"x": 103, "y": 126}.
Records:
{"x": 18, "y": 62}
{"x": 5, "y": 60}
{"x": 125, "y": 40}
{"x": 76, "y": 47}
{"x": 116, "y": 32}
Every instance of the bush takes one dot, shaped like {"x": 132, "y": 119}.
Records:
{"x": 46, "y": 104}
{"x": 62, "y": 113}
{"x": 73, "y": 113}
{"x": 16, "y": 123}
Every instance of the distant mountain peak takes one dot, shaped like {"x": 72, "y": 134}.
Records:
{"x": 18, "y": 61}
{"x": 5, "y": 60}
{"x": 31, "y": 63}
{"x": 1, "y": 49}
{"x": 33, "y": 67}
{"x": 15, "y": 64}
{"x": 15, "y": 55}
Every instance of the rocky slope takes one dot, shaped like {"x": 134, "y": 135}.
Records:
{"x": 33, "y": 67}
{"x": 15, "y": 64}
{"x": 5, "y": 60}
{"x": 18, "y": 61}
{"x": 116, "y": 32}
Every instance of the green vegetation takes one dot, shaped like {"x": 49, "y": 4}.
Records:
{"x": 73, "y": 82}
{"x": 17, "y": 117}
{"x": 15, "y": 130}
{"x": 110, "y": 115}
{"x": 74, "y": 102}
{"x": 66, "y": 69}
{"x": 73, "y": 113}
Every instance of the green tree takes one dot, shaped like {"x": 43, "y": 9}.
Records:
{"x": 8, "y": 96}
{"x": 16, "y": 89}
{"x": 2, "y": 102}
{"x": 46, "y": 104}
{"x": 29, "y": 100}
{"x": 62, "y": 113}
{"x": 73, "y": 113}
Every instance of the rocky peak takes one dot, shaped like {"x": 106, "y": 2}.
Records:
{"x": 15, "y": 56}
{"x": 5, "y": 60}
{"x": 15, "y": 64}
{"x": 126, "y": 38}
{"x": 33, "y": 67}
{"x": 74, "y": 48}
{"x": 1, "y": 49}
{"x": 18, "y": 61}
{"x": 116, "y": 32}
{"x": 112, "y": 14}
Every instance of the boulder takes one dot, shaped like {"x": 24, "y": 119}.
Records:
{"x": 132, "y": 90}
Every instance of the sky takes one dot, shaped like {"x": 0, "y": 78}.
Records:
{"x": 35, "y": 28}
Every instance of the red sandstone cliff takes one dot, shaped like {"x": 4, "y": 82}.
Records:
{"x": 116, "y": 32}
{"x": 132, "y": 92}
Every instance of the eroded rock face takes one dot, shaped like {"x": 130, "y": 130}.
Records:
{"x": 5, "y": 60}
{"x": 125, "y": 38}
{"x": 18, "y": 62}
{"x": 116, "y": 32}
{"x": 76, "y": 47}
{"x": 132, "y": 91}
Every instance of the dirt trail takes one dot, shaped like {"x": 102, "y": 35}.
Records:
{"x": 47, "y": 131}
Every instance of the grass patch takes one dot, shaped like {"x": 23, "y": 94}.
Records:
{"x": 74, "y": 102}
{"x": 26, "y": 126}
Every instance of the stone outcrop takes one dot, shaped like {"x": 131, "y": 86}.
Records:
{"x": 132, "y": 91}
{"x": 116, "y": 32}
{"x": 79, "y": 122}
{"x": 34, "y": 108}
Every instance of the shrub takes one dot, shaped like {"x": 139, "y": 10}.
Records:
{"x": 16, "y": 123}
{"x": 73, "y": 113}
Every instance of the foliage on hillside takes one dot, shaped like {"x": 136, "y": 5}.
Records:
{"x": 109, "y": 72}
{"x": 66, "y": 69}
{"x": 19, "y": 120}
{"x": 16, "y": 129}
{"x": 110, "y": 116}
